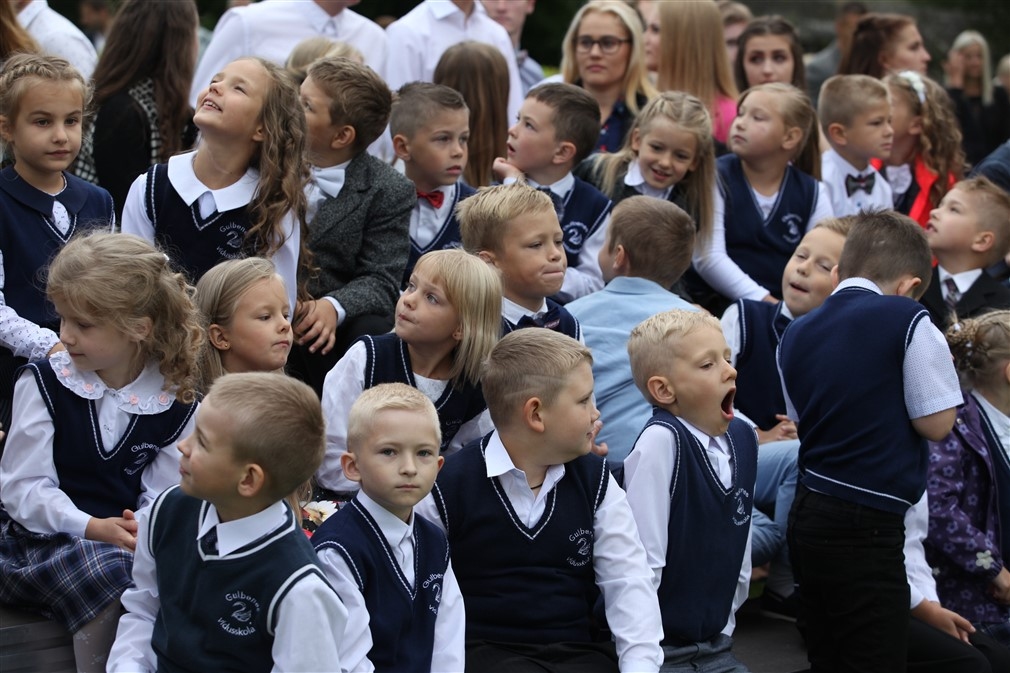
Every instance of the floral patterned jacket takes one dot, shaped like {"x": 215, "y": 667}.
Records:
{"x": 963, "y": 543}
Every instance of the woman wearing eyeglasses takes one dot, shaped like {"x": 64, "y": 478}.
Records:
{"x": 684, "y": 47}
{"x": 603, "y": 54}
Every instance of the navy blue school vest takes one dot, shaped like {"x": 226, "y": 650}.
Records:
{"x": 219, "y": 613}
{"x": 758, "y": 386}
{"x": 583, "y": 211}
{"x": 401, "y": 617}
{"x": 101, "y": 480}
{"x": 195, "y": 244}
{"x": 447, "y": 237}
{"x": 706, "y": 533}
{"x": 388, "y": 361}
{"x": 842, "y": 366}
{"x": 519, "y": 584}
{"x": 557, "y": 318}
{"x": 762, "y": 247}
{"x": 1001, "y": 467}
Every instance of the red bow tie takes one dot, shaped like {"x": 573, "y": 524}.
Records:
{"x": 435, "y": 198}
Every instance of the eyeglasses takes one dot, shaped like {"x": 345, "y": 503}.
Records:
{"x": 608, "y": 44}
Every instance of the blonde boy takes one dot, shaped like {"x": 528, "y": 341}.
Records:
{"x": 855, "y": 114}
{"x": 515, "y": 229}
{"x": 699, "y": 463}
{"x": 968, "y": 232}
{"x": 390, "y": 567}
{"x": 536, "y": 523}
{"x": 227, "y": 539}
{"x": 430, "y": 124}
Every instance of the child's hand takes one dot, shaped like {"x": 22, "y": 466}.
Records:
{"x": 785, "y": 429}
{"x": 1001, "y": 586}
{"x": 503, "y": 169}
{"x": 317, "y": 324}
{"x": 941, "y": 618}
{"x": 599, "y": 449}
{"x": 120, "y": 531}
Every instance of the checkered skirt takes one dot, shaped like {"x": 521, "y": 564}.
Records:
{"x": 65, "y": 578}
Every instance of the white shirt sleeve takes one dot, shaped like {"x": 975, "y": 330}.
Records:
{"x": 404, "y": 55}
{"x": 341, "y": 387}
{"x": 449, "y": 653}
{"x": 227, "y": 44}
{"x": 286, "y": 258}
{"x": 21, "y": 336}
{"x": 310, "y": 619}
{"x": 587, "y": 278}
{"x": 357, "y": 635}
{"x": 135, "y": 220}
{"x": 730, "y": 322}
{"x": 625, "y": 580}
{"x": 823, "y": 209}
{"x": 921, "y": 585}
{"x": 714, "y": 265}
{"x": 132, "y": 651}
{"x": 930, "y": 381}
{"x": 647, "y": 473}
{"x": 742, "y": 584}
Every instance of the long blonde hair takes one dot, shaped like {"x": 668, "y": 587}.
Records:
{"x": 692, "y": 55}
{"x": 967, "y": 38}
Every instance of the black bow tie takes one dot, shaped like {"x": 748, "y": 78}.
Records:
{"x": 551, "y": 320}
{"x": 853, "y": 183}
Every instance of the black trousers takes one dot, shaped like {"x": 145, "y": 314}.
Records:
{"x": 312, "y": 368}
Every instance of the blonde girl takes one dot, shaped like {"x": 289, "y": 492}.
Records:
{"x": 43, "y": 101}
{"x": 669, "y": 154}
{"x": 247, "y": 318}
{"x": 684, "y": 47}
{"x": 447, "y": 320}
{"x": 94, "y": 434}
{"x": 968, "y": 545}
{"x": 771, "y": 195}
{"x": 241, "y": 193}
{"x": 926, "y": 156}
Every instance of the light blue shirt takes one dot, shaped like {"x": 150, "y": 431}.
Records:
{"x": 607, "y": 317}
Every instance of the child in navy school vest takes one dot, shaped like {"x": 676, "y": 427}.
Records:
{"x": 390, "y": 565}
{"x": 430, "y": 125}
{"x": 565, "y": 116}
{"x": 696, "y": 456}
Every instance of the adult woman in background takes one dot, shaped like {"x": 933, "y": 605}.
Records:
{"x": 885, "y": 43}
{"x": 982, "y": 109}
{"x": 142, "y": 84}
{"x": 603, "y": 53}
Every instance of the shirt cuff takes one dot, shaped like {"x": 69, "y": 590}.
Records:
{"x": 341, "y": 313}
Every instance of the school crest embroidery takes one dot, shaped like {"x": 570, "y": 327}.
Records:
{"x": 241, "y": 611}
{"x": 433, "y": 589}
{"x": 575, "y": 236}
{"x": 741, "y": 510}
{"x": 582, "y": 553}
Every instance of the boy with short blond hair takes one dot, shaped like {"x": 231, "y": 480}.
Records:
{"x": 558, "y": 126}
{"x": 968, "y": 232}
{"x": 868, "y": 379}
{"x": 227, "y": 536}
{"x": 515, "y": 229}
{"x": 648, "y": 248}
{"x": 855, "y": 115}
{"x": 430, "y": 124}
{"x": 698, "y": 463}
{"x": 536, "y": 524}
{"x": 390, "y": 567}
{"x": 358, "y": 217}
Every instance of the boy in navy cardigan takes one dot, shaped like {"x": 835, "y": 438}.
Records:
{"x": 869, "y": 379}
{"x": 430, "y": 124}
{"x": 558, "y": 126}
{"x": 224, "y": 577}
{"x": 390, "y": 567}
{"x": 690, "y": 483}
{"x": 538, "y": 527}
{"x": 514, "y": 228}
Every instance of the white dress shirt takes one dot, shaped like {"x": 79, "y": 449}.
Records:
{"x": 634, "y": 178}
{"x": 921, "y": 584}
{"x": 418, "y": 39}
{"x": 963, "y": 280}
{"x": 184, "y": 181}
{"x": 448, "y": 654}
{"x": 271, "y": 29}
{"x": 622, "y": 571}
{"x": 310, "y": 617}
{"x": 426, "y": 221}
{"x": 342, "y": 386}
{"x": 648, "y": 470}
{"x": 31, "y": 487}
{"x": 834, "y": 169}
{"x": 57, "y": 35}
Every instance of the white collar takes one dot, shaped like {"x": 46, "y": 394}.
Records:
{"x": 634, "y": 178}
{"x": 30, "y": 11}
{"x": 316, "y": 16}
{"x": 189, "y": 187}
{"x": 444, "y": 8}
{"x": 330, "y": 180}
{"x": 143, "y": 396}
{"x": 393, "y": 528}
{"x": 963, "y": 280}
{"x": 513, "y": 312}
{"x": 847, "y": 167}
{"x": 240, "y": 532}
{"x": 864, "y": 283}
{"x": 704, "y": 438}
{"x": 499, "y": 463}
{"x": 560, "y": 188}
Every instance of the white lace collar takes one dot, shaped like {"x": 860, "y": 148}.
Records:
{"x": 143, "y": 396}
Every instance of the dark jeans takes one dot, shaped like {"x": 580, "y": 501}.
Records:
{"x": 848, "y": 561}
{"x": 312, "y": 368}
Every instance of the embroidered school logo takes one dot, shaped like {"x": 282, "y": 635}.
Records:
{"x": 142, "y": 455}
{"x": 741, "y": 508}
{"x": 794, "y": 229}
{"x": 243, "y": 610}
{"x": 433, "y": 585}
{"x": 575, "y": 235}
{"x": 234, "y": 240}
{"x": 583, "y": 552}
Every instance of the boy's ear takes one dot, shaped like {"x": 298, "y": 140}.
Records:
{"x": 350, "y": 466}
{"x": 488, "y": 257}
{"x": 401, "y": 147}
{"x": 792, "y": 138}
{"x": 622, "y": 263}
{"x": 533, "y": 414}
{"x": 564, "y": 152}
{"x": 343, "y": 137}
{"x": 834, "y": 277}
{"x": 217, "y": 337}
{"x": 908, "y": 286}
{"x": 253, "y": 481}
{"x": 836, "y": 133}
{"x": 984, "y": 240}
{"x": 661, "y": 389}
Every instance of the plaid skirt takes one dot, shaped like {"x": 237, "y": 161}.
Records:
{"x": 63, "y": 577}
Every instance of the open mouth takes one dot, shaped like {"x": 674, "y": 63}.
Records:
{"x": 727, "y": 404}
